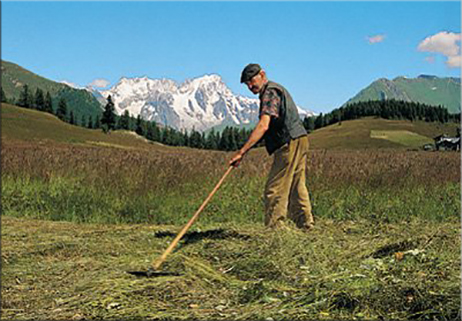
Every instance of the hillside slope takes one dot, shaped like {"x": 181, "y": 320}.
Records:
{"x": 22, "y": 125}
{"x": 364, "y": 134}
{"x": 80, "y": 101}
{"x": 429, "y": 90}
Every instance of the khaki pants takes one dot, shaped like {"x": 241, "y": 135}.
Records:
{"x": 286, "y": 194}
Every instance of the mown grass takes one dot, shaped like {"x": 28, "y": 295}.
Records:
{"x": 403, "y": 137}
{"x": 76, "y": 217}
{"x": 342, "y": 270}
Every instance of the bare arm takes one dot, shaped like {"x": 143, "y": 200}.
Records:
{"x": 255, "y": 136}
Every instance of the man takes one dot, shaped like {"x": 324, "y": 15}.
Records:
{"x": 286, "y": 194}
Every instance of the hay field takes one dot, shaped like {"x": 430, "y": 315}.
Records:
{"x": 76, "y": 217}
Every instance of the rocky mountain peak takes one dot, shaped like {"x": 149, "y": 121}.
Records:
{"x": 199, "y": 103}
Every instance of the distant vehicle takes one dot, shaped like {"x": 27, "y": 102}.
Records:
{"x": 444, "y": 142}
{"x": 428, "y": 147}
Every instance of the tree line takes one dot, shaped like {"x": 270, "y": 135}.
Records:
{"x": 387, "y": 109}
{"x": 230, "y": 139}
{"x": 42, "y": 101}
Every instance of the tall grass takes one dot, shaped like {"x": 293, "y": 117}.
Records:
{"x": 109, "y": 185}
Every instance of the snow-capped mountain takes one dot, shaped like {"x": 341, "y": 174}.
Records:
{"x": 199, "y": 103}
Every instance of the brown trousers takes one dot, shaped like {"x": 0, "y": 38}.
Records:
{"x": 286, "y": 194}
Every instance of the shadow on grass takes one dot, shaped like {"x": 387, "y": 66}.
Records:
{"x": 149, "y": 273}
{"x": 394, "y": 247}
{"x": 195, "y": 236}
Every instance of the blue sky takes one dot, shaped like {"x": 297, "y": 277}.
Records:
{"x": 323, "y": 52}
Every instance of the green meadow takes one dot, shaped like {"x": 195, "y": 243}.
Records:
{"x": 81, "y": 208}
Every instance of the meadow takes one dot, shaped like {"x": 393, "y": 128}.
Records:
{"x": 76, "y": 216}
{"x": 114, "y": 185}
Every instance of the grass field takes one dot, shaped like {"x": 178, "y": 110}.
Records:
{"x": 76, "y": 216}
{"x": 25, "y": 126}
{"x": 402, "y": 137}
{"x": 359, "y": 134}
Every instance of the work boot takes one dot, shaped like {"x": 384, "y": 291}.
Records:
{"x": 279, "y": 226}
{"x": 307, "y": 228}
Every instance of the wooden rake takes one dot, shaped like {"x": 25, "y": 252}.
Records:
{"x": 154, "y": 270}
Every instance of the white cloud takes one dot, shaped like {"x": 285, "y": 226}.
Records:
{"x": 376, "y": 39}
{"x": 454, "y": 61}
{"x": 99, "y": 83}
{"x": 445, "y": 43}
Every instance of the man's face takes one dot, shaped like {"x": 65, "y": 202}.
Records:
{"x": 256, "y": 83}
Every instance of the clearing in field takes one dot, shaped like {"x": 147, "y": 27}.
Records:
{"x": 403, "y": 137}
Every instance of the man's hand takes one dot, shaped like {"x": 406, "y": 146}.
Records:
{"x": 236, "y": 159}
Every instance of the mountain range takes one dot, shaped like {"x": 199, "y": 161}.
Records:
{"x": 199, "y": 103}
{"x": 206, "y": 102}
{"x": 427, "y": 89}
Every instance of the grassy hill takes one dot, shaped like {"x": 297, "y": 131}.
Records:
{"x": 371, "y": 133}
{"x": 80, "y": 101}
{"x": 26, "y": 125}
{"x": 22, "y": 125}
{"x": 424, "y": 89}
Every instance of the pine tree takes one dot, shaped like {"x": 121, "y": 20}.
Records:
{"x": 39, "y": 100}
{"x": 108, "y": 120}
{"x": 90, "y": 122}
{"x": 124, "y": 120}
{"x": 24, "y": 97}
{"x": 156, "y": 133}
{"x": 319, "y": 122}
{"x": 139, "y": 126}
{"x": 195, "y": 139}
{"x": 185, "y": 139}
{"x": 97, "y": 124}
{"x": 71, "y": 118}
{"x": 48, "y": 104}
{"x": 225, "y": 141}
{"x": 179, "y": 137}
{"x": 132, "y": 123}
{"x": 3, "y": 98}
{"x": 242, "y": 137}
{"x": 210, "y": 142}
{"x": 165, "y": 136}
{"x": 233, "y": 139}
{"x": 336, "y": 117}
{"x": 61, "y": 112}
{"x": 83, "y": 121}
{"x": 150, "y": 131}
{"x": 308, "y": 123}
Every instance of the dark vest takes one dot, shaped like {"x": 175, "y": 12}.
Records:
{"x": 287, "y": 126}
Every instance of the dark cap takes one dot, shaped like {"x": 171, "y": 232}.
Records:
{"x": 249, "y": 71}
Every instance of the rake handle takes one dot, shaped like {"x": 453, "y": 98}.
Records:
{"x": 158, "y": 262}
